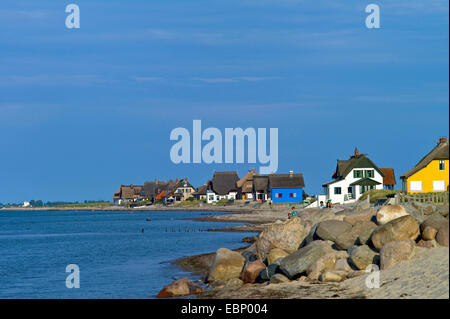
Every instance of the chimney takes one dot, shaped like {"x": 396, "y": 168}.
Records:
{"x": 356, "y": 152}
{"x": 291, "y": 173}
{"x": 442, "y": 140}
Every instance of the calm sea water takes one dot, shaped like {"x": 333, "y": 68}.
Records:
{"x": 116, "y": 259}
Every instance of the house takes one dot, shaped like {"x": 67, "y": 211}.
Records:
{"x": 389, "y": 181}
{"x": 130, "y": 193}
{"x": 222, "y": 186}
{"x": 184, "y": 188}
{"x": 431, "y": 173}
{"x": 153, "y": 190}
{"x": 352, "y": 178}
{"x": 245, "y": 185}
{"x": 286, "y": 188}
{"x": 260, "y": 188}
{"x": 200, "y": 194}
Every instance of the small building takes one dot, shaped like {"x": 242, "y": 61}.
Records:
{"x": 222, "y": 186}
{"x": 130, "y": 193}
{"x": 184, "y": 188}
{"x": 260, "y": 188}
{"x": 431, "y": 173}
{"x": 286, "y": 188}
{"x": 389, "y": 181}
{"x": 245, "y": 185}
{"x": 200, "y": 193}
{"x": 26, "y": 204}
{"x": 352, "y": 178}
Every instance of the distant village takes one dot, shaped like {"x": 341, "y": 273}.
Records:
{"x": 351, "y": 179}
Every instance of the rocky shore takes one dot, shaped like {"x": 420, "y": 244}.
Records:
{"x": 332, "y": 253}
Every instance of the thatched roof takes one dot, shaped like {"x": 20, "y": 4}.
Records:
{"x": 344, "y": 167}
{"x": 440, "y": 152}
{"x": 261, "y": 184}
{"x": 389, "y": 176}
{"x": 201, "y": 190}
{"x": 129, "y": 192}
{"x": 223, "y": 183}
{"x": 246, "y": 182}
{"x": 286, "y": 181}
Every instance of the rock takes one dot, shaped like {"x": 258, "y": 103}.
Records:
{"x": 249, "y": 256}
{"x": 180, "y": 287}
{"x": 331, "y": 229}
{"x": 310, "y": 237}
{"x": 299, "y": 261}
{"x": 278, "y": 279}
{"x": 275, "y": 254}
{"x": 404, "y": 227}
{"x": 227, "y": 264}
{"x": 333, "y": 276}
{"x": 390, "y": 212}
{"x": 364, "y": 216}
{"x": 325, "y": 262}
{"x": 362, "y": 206}
{"x": 267, "y": 273}
{"x": 429, "y": 233}
{"x": 425, "y": 243}
{"x": 442, "y": 235}
{"x": 234, "y": 283}
{"x": 342, "y": 265}
{"x": 434, "y": 221}
{"x": 363, "y": 256}
{"x": 286, "y": 235}
{"x": 396, "y": 251}
{"x": 356, "y": 273}
{"x": 345, "y": 240}
{"x": 427, "y": 210}
{"x": 252, "y": 271}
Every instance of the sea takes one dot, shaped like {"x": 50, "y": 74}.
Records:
{"x": 116, "y": 254}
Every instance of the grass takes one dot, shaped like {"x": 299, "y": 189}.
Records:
{"x": 376, "y": 194}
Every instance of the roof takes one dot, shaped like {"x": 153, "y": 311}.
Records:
{"x": 332, "y": 182}
{"x": 201, "y": 190}
{"x": 344, "y": 167}
{"x": 261, "y": 183}
{"x": 440, "y": 152}
{"x": 183, "y": 183}
{"x": 365, "y": 182}
{"x": 286, "y": 181}
{"x": 246, "y": 182}
{"x": 389, "y": 176}
{"x": 223, "y": 183}
{"x": 130, "y": 192}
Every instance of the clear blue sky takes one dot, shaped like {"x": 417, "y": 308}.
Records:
{"x": 83, "y": 111}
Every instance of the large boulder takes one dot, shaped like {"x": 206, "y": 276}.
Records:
{"x": 180, "y": 287}
{"x": 252, "y": 271}
{"x": 227, "y": 264}
{"x": 429, "y": 233}
{"x": 347, "y": 239}
{"x": 425, "y": 243}
{"x": 363, "y": 256}
{"x": 275, "y": 254}
{"x": 442, "y": 235}
{"x": 267, "y": 273}
{"x": 434, "y": 221}
{"x": 299, "y": 261}
{"x": 278, "y": 279}
{"x": 333, "y": 276}
{"x": 404, "y": 227}
{"x": 396, "y": 251}
{"x": 325, "y": 262}
{"x": 342, "y": 265}
{"x": 331, "y": 229}
{"x": 287, "y": 236}
{"x": 364, "y": 216}
{"x": 390, "y": 212}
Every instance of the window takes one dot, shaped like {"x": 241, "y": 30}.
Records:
{"x": 337, "y": 190}
{"x": 357, "y": 173}
{"x": 415, "y": 186}
{"x": 350, "y": 190}
{"x": 293, "y": 195}
{"x": 442, "y": 165}
{"x": 370, "y": 173}
{"x": 438, "y": 186}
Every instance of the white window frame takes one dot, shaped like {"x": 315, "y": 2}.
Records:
{"x": 416, "y": 187}
{"x": 443, "y": 165}
{"x": 439, "y": 188}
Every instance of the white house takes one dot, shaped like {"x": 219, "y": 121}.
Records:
{"x": 222, "y": 186}
{"x": 352, "y": 178}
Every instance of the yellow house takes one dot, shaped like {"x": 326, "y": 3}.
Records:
{"x": 431, "y": 173}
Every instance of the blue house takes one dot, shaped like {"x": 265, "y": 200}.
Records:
{"x": 286, "y": 188}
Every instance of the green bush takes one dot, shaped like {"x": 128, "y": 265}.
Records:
{"x": 376, "y": 194}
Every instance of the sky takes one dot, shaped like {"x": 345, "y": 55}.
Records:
{"x": 85, "y": 110}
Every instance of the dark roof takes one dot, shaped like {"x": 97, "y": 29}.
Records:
{"x": 129, "y": 192}
{"x": 286, "y": 181}
{"x": 201, "y": 190}
{"x": 344, "y": 167}
{"x": 332, "y": 182}
{"x": 183, "y": 183}
{"x": 440, "y": 152}
{"x": 389, "y": 176}
{"x": 261, "y": 183}
{"x": 154, "y": 188}
{"x": 365, "y": 182}
{"x": 246, "y": 182}
{"x": 223, "y": 182}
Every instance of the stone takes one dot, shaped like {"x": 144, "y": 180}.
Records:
{"x": 425, "y": 243}
{"x": 286, "y": 235}
{"x": 299, "y": 261}
{"x": 325, "y": 262}
{"x": 227, "y": 264}
{"x": 275, "y": 254}
{"x": 363, "y": 256}
{"x": 234, "y": 283}
{"x": 249, "y": 256}
{"x": 435, "y": 221}
{"x": 396, "y": 251}
{"x": 180, "y": 287}
{"x": 442, "y": 235}
{"x": 342, "y": 265}
{"x": 333, "y": 276}
{"x": 364, "y": 216}
{"x": 357, "y": 273}
{"x": 279, "y": 279}
{"x": 362, "y": 206}
{"x": 404, "y": 227}
{"x": 429, "y": 233}
{"x": 267, "y": 273}
{"x": 252, "y": 271}
{"x": 310, "y": 237}
{"x": 390, "y": 212}
{"x": 345, "y": 240}
{"x": 331, "y": 229}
